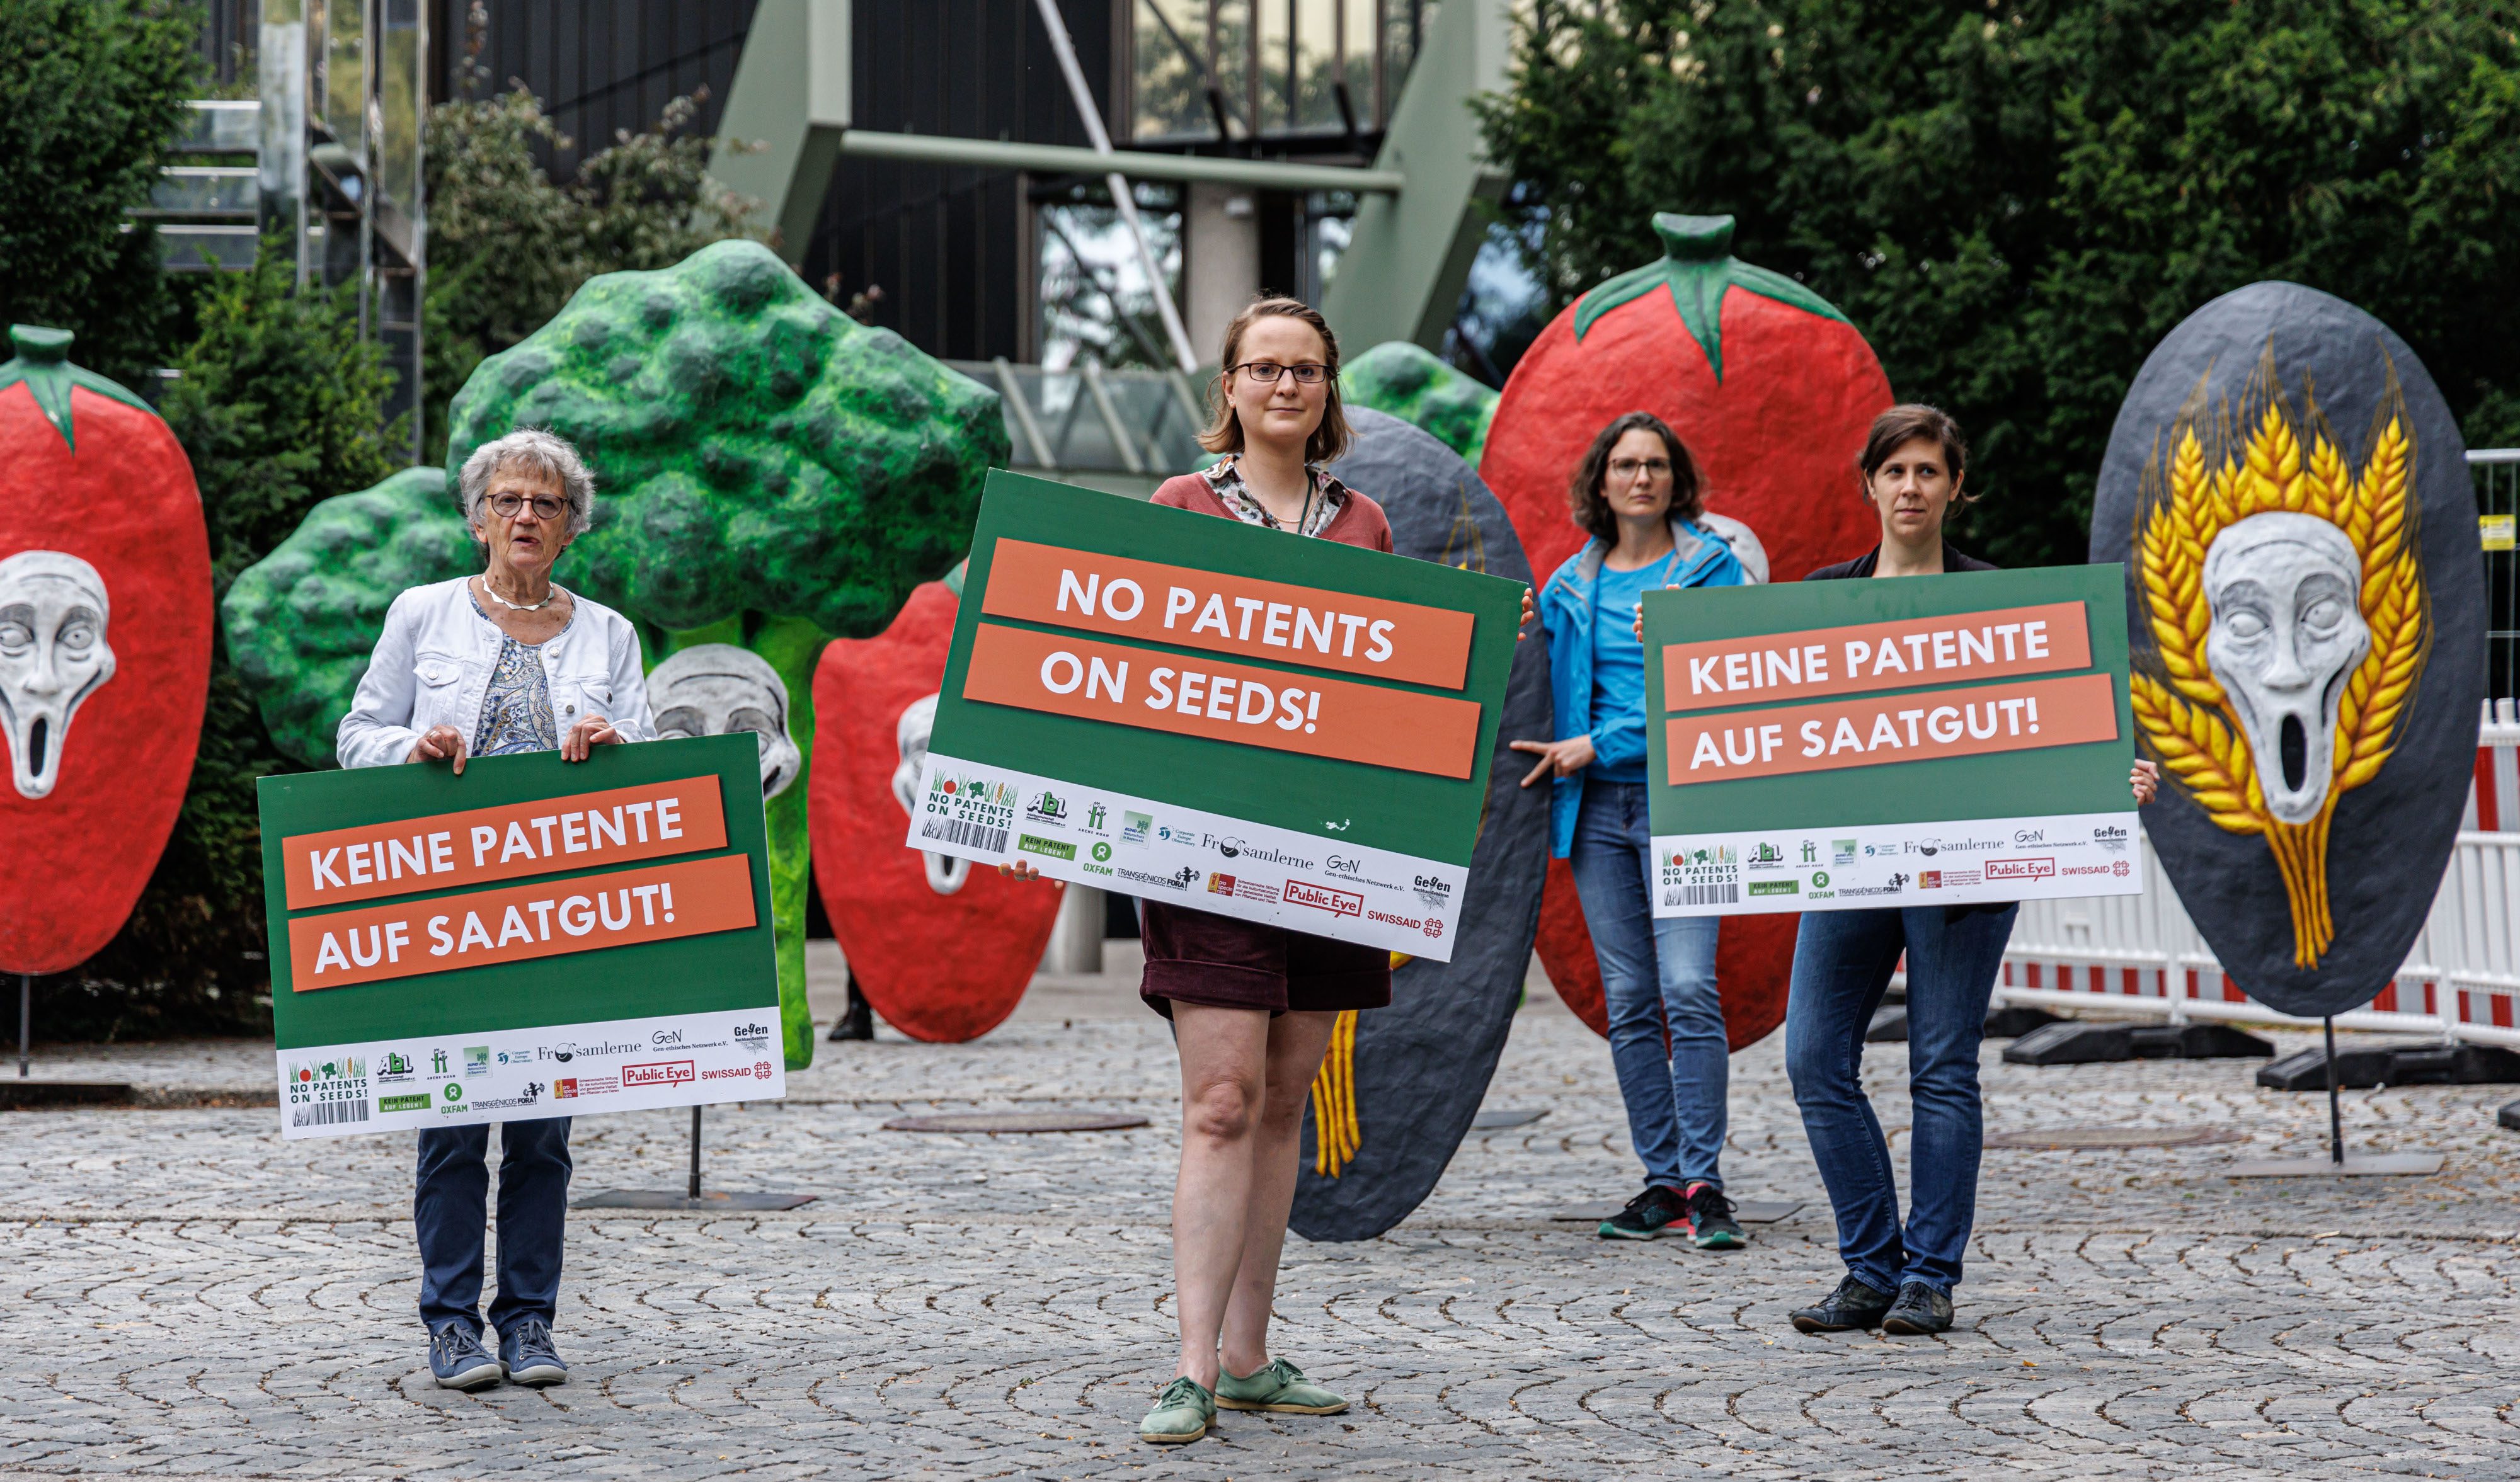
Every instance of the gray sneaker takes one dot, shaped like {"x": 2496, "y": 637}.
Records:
{"x": 459, "y": 1362}
{"x": 525, "y": 1346}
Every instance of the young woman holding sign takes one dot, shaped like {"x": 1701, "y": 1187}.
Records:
{"x": 1638, "y": 494}
{"x": 1252, "y": 1005}
{"x": 1899, "y": 1278}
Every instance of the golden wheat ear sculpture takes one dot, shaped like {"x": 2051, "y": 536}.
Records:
{"x": 2218, "y": 471}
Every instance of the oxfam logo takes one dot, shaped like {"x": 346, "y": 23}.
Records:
{"x": 454, "y": 1091}
{"x": 1820, "y": 880}
{"x": 1101, "y": 852}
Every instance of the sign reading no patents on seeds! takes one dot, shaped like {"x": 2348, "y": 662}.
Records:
{"x": 1201, "y": 711}
{"x": 531, "y": 939}
{"x": 1907, "y": 741}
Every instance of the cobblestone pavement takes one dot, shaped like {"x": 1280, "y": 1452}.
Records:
{"x": 190, "y": 1297}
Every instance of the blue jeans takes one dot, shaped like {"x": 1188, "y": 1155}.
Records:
{"x": 1842, "y": 965}
{"x": 1653, "y": 972}
{"x": 533, "y": 1211}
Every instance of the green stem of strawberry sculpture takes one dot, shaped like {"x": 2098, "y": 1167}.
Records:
{"x": 1697, "y": 266}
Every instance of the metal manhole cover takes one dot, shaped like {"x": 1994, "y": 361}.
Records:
{"x": 2115, "y": 1137}
{"x": 1016, "y": 1121}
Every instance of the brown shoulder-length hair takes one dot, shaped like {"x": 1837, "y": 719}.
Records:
{"x": 1224, "y": 432}
{"x": 1584, "y": 491}
{"x": 1905, "y": 424}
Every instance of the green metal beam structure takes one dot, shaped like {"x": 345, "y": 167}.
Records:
{"x": 1417, "y": 222}
{"x": 1409, "y": 255}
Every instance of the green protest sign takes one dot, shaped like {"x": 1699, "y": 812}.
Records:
{"x": 534, "y": 938}
{"x": 1903, "y": 742}
{"x": 1201, "y": 710}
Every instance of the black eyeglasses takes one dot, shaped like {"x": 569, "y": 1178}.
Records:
{"x": 1625, "y": 468}
{"x": 1267, "y": 372}
{"x": 506, "y": 505}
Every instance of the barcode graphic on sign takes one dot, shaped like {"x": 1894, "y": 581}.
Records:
{"x": 1704, "y": 895}
{"x": 955, "y": 830}
{"x": 327, "y": 1113}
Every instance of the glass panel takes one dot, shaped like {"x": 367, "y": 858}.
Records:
{"x": 345, "y": 77}
{"x": 1171, "y": 82}
{"x": 399, "y": 92}
{"x": 1096, "y": 302}
{"x": 203, "y": 190}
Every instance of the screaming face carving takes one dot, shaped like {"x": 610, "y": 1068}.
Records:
{"x": 945, "y": 872}
{"x": 53, "y": 656}
{"x": 2288, "y": 630}
{"x": 719, "y": 689}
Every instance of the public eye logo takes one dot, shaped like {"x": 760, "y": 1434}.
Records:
{"x": 1047, "y": 808}
{"x": 477, "y": 1059}
{"x": 438, "y": 1062}
{"x": 1101, "y": 852}
{"x": 1095, "y": 815}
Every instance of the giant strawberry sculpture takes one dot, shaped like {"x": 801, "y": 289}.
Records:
{"x": 104, "y": 650}
{"x": 1771, "y": 389}
{"x": 941, "y": 950}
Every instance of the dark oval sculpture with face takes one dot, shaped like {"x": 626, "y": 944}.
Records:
{"x": 2291, "y": 499}
{"x": 1401, "y": 1084}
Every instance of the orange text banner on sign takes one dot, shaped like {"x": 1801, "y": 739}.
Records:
{"x": 2047, "y": 638}
{"x": 1241, "y": 615}
{"x": 651, "y": 903}
{"x": 481, "y": 844}
{"x": 1066, "y": 675}
{"x": 1898, "y": 727}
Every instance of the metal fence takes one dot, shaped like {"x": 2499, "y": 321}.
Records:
{"x": 2496, "y": 474}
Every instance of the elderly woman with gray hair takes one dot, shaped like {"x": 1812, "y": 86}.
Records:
{"x": 501, "y": 662}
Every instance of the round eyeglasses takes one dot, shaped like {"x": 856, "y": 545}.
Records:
{"x": 506, "y": 505}
{"x": 1267, "y": 372}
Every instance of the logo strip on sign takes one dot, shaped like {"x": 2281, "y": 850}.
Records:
{"x": 619, "y": 908}
{"x": 2022, "y": 716}
{"x": 1065, "y": 675}
{"x": 2046, "y": 639}
{"x": 1241, "y": 615}
{"x": 434, "y": 851}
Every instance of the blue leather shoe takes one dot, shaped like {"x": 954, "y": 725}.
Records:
{"x": 459, "y": 1362}
{"x": 525, "y": 1345}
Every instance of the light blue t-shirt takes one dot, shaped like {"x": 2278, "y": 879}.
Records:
{"x": 1619, "y": 671}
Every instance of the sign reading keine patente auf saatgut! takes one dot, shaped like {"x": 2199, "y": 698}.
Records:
{"x": 1903, "y": 742}
{"x": 1200, "y": 711}
{"x": 534, "y": 938}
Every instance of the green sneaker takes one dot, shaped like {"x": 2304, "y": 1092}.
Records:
{"x": 1181, "y": 1413}
{"x": 1281, "y": 1388}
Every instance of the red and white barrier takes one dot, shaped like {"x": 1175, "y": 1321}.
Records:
{"x": 2141, "y": 955}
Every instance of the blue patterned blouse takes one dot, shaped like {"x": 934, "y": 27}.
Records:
{"x": 517, "y": 713}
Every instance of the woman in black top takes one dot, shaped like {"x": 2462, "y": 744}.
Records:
{"x": 1899, "y": 1278}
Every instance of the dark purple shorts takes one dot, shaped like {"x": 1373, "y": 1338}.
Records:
{"x": 1193, "y": 957}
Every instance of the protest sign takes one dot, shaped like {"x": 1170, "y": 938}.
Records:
{"x": 1906, "y": 741}
{"x": 534, "y": 938}
{"x": 1202, "y": 711}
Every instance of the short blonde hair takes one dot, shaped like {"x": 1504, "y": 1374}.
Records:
{"x": 1224, "y": 432}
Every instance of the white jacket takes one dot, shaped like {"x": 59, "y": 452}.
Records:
{"x": 433, "y": 665}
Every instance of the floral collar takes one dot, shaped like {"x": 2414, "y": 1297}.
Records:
{"x": 1226, "y": 478}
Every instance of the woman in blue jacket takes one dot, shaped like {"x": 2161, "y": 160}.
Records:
{"x": 1638, "y": 494}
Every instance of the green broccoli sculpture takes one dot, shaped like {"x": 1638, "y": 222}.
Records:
{"x": 301, "y": 622}
{"x": 1412, "y": 384}
{"x": 770, "y": 474}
